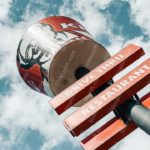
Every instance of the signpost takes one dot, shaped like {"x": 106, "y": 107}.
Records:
{"x": 48, "y": 58}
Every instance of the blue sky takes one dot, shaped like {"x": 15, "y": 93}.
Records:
{"x": 27, "y": 122}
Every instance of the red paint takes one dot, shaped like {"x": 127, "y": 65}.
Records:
{"x": 32, "y": 77}
{"x": 97, "y": 108}
{"x": 95, "y": 78}
{"x": 111, "y": 133}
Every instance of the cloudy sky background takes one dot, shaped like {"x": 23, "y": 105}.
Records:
{"x": 26, "y": 120}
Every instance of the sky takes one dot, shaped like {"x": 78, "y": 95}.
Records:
{"x": 27, "y": 122}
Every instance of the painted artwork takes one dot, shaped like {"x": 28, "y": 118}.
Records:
{"x": 40, "y": 44}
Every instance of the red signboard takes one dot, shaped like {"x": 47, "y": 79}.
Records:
{"x": 109, "y": 99}
{"x": 111, "y": 133}
{"x": 96, "y": 78}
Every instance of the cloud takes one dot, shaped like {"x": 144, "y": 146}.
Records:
{"x": 11, "y": 34}
{"x": 23, "y": 108}
{"x": 140, "y": 14}
{"x": 88, "y": 13}
{"x": 136, "y": 140}
{"x": 4, "y": 9}
{"x": 23, "y": 111}
{"x": 99, "y": 23}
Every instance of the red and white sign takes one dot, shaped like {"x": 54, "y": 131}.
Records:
{"x": 109, "y": 99}
{"x": 95, "y": 78}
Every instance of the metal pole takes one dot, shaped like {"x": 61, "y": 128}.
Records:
{"x": 132, "y": 110}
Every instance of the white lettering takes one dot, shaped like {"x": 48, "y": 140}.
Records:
{"x": 98, "y": 102}
{"x": 76, "y": 88}
{"x": 139, "y": 72}
{"x": 92, "y": 106}
{"x": 85, "y": 80}
{"x": 100, "y": 70}
{"x": 115, "y": 88}
{"x": 103, "y": 97}
{"x": 146, "y": 67}
{"x": 106, "y": 66}
{"x": 68, "y": 92}
{"x": 112, "y": 62}
{"x": 119, "y": 57}
{"x": 132, "y": 78}
{"x": 86, "y": 111}
{"x": 124, "y": 83}
{"x": 106, "y": 96}
{"x": 110, "y": 94}
{"x": 91, "y": 76}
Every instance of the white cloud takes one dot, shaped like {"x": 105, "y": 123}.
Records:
{"x": 94, "y": 20}
{"x": 4, "y": 9}
{"x": 23, "y": 108}
{"x": 140, "y": 14}
{"x": 10, "y": 36}
{"x": 137, "y": 140}
{"x": 9, "y": 40}
{"x": 101, "y": 4}
{"x": 23, "y": 111}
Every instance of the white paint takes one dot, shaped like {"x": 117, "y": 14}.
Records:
{"x": 111, "y": 92}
